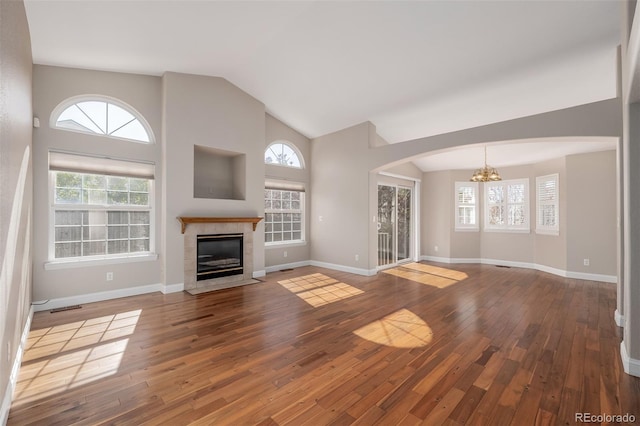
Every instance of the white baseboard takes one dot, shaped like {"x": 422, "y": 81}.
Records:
{"x": 259, "y": 274}
{"x": 106, "y": 295}
{"x": 342, "y": 268}
{"x": 631, "y": 366}
{"x": 335, "y": 267}
{"x": 13, "y": 378}
{"x": 619, "y": 318}
{"x": 544, "y": 268}
{"x": 172, "y": 288}
{"x": 276, "y": 268}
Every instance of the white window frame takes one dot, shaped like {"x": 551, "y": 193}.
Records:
{"x": 292, "y": 147}
{"x": 459, "y": 226}
{"x": 555, "y": 202}
{"x": 56, "y": 263}
{"x": 506, "y": 227}
{"x": 70, "y": 102}
{"x": 301, "y": 211}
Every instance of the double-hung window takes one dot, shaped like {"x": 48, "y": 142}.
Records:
{"x": 284, "y": 214}
{"x": 507, "y": 206}
{"x": 101, "y": 208}
{"x": 466, "y": 217}
{"x": 547, "y": 205}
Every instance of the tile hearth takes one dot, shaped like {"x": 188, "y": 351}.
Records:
{"x": 210, "y": 226}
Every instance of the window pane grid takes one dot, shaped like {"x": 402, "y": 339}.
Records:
{"x": 466, "y": 206}
{"x": 102, "y": 118}
{"x": 283, "y": 216}
{"x": 89, "y": 219}
{"x": 547, "y": 204}
{"x": 83, "y": 239}
{"x": 81, "y": 188}
{"x": 507, "y": 205}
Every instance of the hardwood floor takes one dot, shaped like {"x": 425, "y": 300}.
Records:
{"x": 423, "y": 344}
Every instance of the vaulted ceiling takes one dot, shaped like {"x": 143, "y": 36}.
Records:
{"x": 412, "y": 68}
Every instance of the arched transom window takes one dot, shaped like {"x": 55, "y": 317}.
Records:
{"x": 101, "y": 116}
{"x": 283, "y": 154}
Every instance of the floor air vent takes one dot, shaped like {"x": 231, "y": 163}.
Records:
{"x": 66, "y": 308}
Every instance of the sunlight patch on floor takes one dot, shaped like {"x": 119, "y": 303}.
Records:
{"x": 427, "y": 274}
{"x": 70, "y": 355}
{"x": 319, "y": 289}
{"x": 401, "y": 329}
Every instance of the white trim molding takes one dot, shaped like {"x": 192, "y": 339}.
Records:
{"x": 259, "y": 274}
{"x": 543, "y": 268}
{"x": 342, "y": 268}
{"x": 13, "y": 378}
{"x": 276, "y": 268}
{"x": 106, "y": 295}
{"x": 631, "y": 366}
{"x": 619, "y": 318}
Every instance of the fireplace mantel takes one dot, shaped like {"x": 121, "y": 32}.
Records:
{"x": 185, "y": 220}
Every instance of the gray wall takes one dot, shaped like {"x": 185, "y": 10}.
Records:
{"x": 15, "y": 187}
{"x": 341, "y": 191}
{"x": 587, "y": 228}
{"x": 52, "y": 85}
{"x": 551, "y": 250}
{"x": 276, "y": 130}
{"x": 209, "y": 112}
{"x": 591, "y": 199}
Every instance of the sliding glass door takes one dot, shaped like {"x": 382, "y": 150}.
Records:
{"x": 394, "y": 224}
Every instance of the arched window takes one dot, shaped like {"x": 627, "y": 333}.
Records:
{"x": 100, "y": 115}
{"x": 283, "y": 154}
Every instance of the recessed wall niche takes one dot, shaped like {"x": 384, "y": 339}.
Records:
{"x": 218, "y": 174}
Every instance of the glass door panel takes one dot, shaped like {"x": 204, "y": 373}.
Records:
{"x": 403, "y": 223}
{"x": 386, "y": 225}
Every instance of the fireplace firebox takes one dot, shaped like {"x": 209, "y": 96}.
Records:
{"x": 219, "y": 255}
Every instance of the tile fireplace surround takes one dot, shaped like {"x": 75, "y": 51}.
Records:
{"x": 194, "y": 226}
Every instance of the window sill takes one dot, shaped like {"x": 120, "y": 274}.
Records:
{"x": 285, "y": 244}
{"x": 467, "y": 229}
{"x": 547, "y": 232}
{"x": 509, "y": 231}
{"x": 96, "y": 261}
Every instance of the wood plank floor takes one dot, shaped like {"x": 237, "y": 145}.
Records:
{"x": 422, "y": 344}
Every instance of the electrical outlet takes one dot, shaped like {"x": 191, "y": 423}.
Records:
{"x": 9, "y": 351}
{"x": 357, "y": 257}
{"x": 435, "y": 248}
{"x": 285, "y": 253}
{"x": 109, "y": 276}
{"x": 586, "y": 262}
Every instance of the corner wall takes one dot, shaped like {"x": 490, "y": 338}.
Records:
{"x": 209, "y": 112}
{"x": 296, "y": 254}
{"x": 52, "y": 85}
{"x": 341, "y": 189}
{"x": 15, "y": 192}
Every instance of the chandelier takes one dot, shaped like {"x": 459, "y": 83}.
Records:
{"x": 485, "y": 174}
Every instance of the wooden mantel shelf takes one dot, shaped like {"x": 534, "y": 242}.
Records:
{"x": 184, "y": 220}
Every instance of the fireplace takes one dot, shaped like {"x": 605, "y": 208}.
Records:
{"x": 219, "y": 255}
{"x": 204, "y": 231}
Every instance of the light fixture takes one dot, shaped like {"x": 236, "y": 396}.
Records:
{"x": 485, "y": 174}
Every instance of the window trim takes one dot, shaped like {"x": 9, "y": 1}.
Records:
{"x": 295, "y": 151}
{"x": 303, "y": 207}
{"x": 466, "y": 227}
{"x": 526, "y": 228}
{"x": 542, "y": 229}
{"x": 80, "y": 261}
{"x": 62, "y": 106}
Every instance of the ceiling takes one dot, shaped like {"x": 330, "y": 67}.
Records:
{"x": 412, "y": 68}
